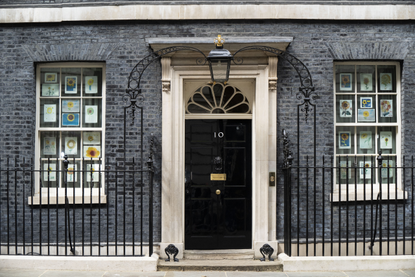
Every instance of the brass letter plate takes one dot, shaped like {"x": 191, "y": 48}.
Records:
{"x": 272, "y": 179}
{"x": 218, "y": 176}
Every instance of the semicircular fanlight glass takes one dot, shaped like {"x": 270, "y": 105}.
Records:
{"x": 218, "y": 98}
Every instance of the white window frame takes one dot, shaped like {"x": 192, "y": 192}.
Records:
{"x": 53, "y": 195}
{"x": 347, "y": 192}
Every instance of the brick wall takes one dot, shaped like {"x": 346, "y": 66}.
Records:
{"x": 122, "y": 44}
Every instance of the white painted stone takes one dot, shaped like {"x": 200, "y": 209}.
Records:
{"x": 173, "y": 147}
{"x": 179, "y": 246}
{"x": 259, "y": 244}
{"x": 295, "y": 264}
{"x": 272, "y": 145}
{"x": 203, "y": 12}
{"x": 138, "y": 264}
{"x": 61, "y": 199}
{"x": 86, "y": 250}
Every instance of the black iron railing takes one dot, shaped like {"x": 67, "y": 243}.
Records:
{"x": 343, "y": 207}
{"x": 101, "y": 210}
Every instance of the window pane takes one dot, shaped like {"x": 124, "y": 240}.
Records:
{"x": 387, "y": 78}
{"x": 366, "y": 170}
{"x": 345, "y": 140}
{"x": 49, "y": 82}
{"x": 91, "y": 144}
{"x": 366, "y": 78}
{"x": 345, "y": 78}
{"x": 49, "y": 112}
{"x": 49, "y": 173}
{"x": 71, "y": 144}
{"x": 49, "y": 145}
{"x": 346, "y": 170}
{"x": 345, "y": 107}
{"x": 387, "y": 108}
{"x": 70, "y": 113}
{"x": 70, "y": 120}
{"x": 388, "y": 176}
{"x": 92, "y": 81}
{"x": 366, "y": 108}
{"x": 73, "y": 175}
{"x": 387, "y": 140}
{"x": 366, "y": 140}
{"x": 91, "y": 113}
{"x": 71, "y": 82}
{"x": 91, "y": 175}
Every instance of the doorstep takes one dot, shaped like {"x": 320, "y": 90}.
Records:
{"x": 219, "y": 260}
{"x": 219, "y": 265}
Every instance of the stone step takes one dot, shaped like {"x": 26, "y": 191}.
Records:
{"x": 220, "y": 265}
{"x": 244, "y": 254}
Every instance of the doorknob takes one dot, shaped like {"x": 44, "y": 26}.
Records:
{"x": 217, "y": 191}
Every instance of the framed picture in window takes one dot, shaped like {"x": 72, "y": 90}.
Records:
{"x": 71, "y": 175}
{"x": 385, "y": 81}
{"x": 386, "y": 140}
{"x": 70, "y": 106}
{"x": 364, "y": 169}
{"x": 70, "y": 119}
{"x": 344, "y": 140}
{"x": 71, "y": 84}
{"x": 91, "y": 114}
{"x": 49, "y": 113}
{"x": 49, "y": 146}
{"x": 51, "y": 78}
{"x": 366, "y": 83}
{"x": 91, "y": 84}
{"x": 366, "y": 115}
{"x": 50, "y": 89}
{"x": 49, "y": 172}
{"x": 343, "y": 172}
{"x": 71, "y": 145}
{"x": 385, "y": 165}
{"x": 346, "y": 82}
{"x": 366, "y": 103}
{"x": 92, "y": 137}
{"x": 386, "y": 108}
{"x": 346, "y": 108}
{"x": 92, "y": 151}
{"x": 365, "y": 138}
{"x": 92, "y": 172}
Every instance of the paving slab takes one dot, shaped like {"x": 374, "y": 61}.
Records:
{"x": 72, "y": 273}
{"x": 195, "y": 274}
{"x": 410, "y": 273}
{"x": 20, "y": 273}
{"x": 219, "y": 265}
{"x": 316, "y": 274}
{"x": 134, "y": 274}
{"x": 383, "y": 273}
{"x": 114, "y": 273}
{"x": 256, "y": 274}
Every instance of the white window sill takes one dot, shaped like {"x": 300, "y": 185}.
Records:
{"x": 60, "y": 200}
{"x": 368, "y": 195}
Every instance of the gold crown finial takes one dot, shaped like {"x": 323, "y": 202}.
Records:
{"x": 219, "y": 41}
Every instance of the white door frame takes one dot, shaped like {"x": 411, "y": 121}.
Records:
{"x": 264, "y": 139}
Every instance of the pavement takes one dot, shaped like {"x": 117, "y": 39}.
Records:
{"x": 75, "y": 273}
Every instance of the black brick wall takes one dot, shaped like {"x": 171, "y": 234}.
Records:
{"x": 122, "y": 44}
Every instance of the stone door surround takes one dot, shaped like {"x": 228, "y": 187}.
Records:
{"x": 181, "y": 66}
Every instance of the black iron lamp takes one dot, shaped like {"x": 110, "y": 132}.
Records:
{"x": 219, "y": 62}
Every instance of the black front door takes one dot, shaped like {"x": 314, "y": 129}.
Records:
{"x": 218, "y": 188}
